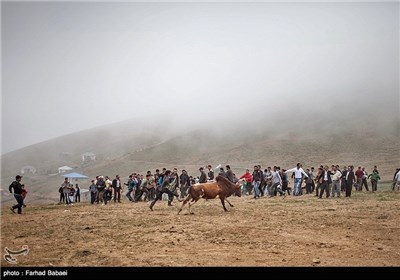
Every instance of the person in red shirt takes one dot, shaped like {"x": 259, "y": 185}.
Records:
{"x": 249, "y": 178}
{"x": 359, "y": 175}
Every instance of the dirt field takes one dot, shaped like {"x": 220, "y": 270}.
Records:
{"x": 294, "y": 231}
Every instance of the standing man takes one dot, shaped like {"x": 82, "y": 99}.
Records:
{"x": 18, "y": 188}
{"x": 350, "y": 179}
{"x": 364, "y": 180}
{"x": 66, "y": 187}
{"x": 343, "y": 179}
{"x": 203, "y": 176}
{"x": 108, "y": 190}
{"x": 116, "y": 185}
{"x": 359, "y": 174}
{"x": 210, "y": 173}
{"x": 335, "y": 176}
{"x": 93, "y": 192}
{"x": 77, "y": 193}
{"x": 101, "y": 193}
{"x": 62, "y": 199}
{"x": 229, "y": 173}
{"x": 326, "y": 181}
{"x": 257, "y": 177}
{"x": 298, "y": 171}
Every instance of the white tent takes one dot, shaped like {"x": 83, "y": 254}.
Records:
{"x": 64, "y": 169}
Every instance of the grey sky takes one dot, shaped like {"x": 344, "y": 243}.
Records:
{"x": 72, "y": 66}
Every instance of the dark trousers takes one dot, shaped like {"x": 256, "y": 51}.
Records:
{"x": 139, "y": 194}
{"x": 66, "y": 198}
{"x": 359, "y": 184}
{"x": 365, "y": 184}
{"x": 343, "y": 186}
{"x": 128, "y": 194}
{"x": 317, "y": 188}
{"x": 262, "y": 188}
{"x": 171, "y": 196}
{"x": 184, "y": 191}
{"x": 374, "y": 184}
{"x": 20, "y": 202}
{"x": 108, "y": 195}
{"x": 62, "y": 198}
{"x": 159, "y": 196}
{"x": 308, "y": 187}
{"x": 101, "y": 196}
{"x": 349, "y": 186}
{"x": 285, "y": 187}
{"x": 93, "y": 197}
{"x": 324, "y": 187}
{"x": 78, "y": 197}
{"x": 117, "y": 194}
{"x": 275, "y": 190}
{"x": 152, "y": 194}
{"x": 249, "y": 188}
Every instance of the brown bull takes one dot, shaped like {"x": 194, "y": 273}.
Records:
{"x": 222, "y": 188}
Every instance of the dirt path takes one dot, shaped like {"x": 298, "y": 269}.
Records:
{"x": 295, "y": 231}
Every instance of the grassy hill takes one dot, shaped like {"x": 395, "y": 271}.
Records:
{"x": 126, "y": 147}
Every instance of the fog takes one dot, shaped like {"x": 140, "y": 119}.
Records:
{"x": 68, "y": 67}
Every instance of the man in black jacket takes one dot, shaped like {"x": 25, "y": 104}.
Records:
{"x": 210, "y": 172}
{"x": 117, "y": 185}
{"x": 18, "y": 187}
{"x": 350, "y": 180}
{"x": 203, "y": 176}
{"x": 326, "y": 181}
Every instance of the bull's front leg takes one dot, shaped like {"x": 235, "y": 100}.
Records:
{"x": 230, "y": 204}
{"x": 223, "y": 203}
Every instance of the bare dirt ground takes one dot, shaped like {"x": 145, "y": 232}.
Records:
{"x": 291, "y": 231}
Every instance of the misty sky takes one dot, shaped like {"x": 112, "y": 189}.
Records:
{"x": 71, "y": 66}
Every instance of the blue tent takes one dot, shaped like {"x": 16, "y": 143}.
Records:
{"x": 75, "y": 175}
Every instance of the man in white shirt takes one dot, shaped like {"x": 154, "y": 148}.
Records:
{"x": 336, "y": 174}
{"x": 298, "y": 172}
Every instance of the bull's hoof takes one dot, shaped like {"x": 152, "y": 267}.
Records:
{"x": 192, "y": 213}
